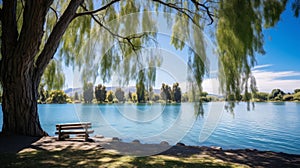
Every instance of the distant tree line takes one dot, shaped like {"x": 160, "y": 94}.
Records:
{"x": 54, "y": 97}
{"x": 275, "y": 95}
{"x": 168, "y": 94}
{"x": 101, "y": 95}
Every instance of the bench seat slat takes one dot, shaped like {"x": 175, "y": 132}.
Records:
{"x": 76, "y": 132}
{"x": 72, "y": 127}
{"x": 74, "y": 124}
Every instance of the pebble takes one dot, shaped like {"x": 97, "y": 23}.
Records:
{"x": 115, "y": 139}
{"x": 136, "y": 141}
{"x": 216, "y": 147}
{"x": 99, "y": 136}
{"x": 164, "y": 143}
{"x": 180, "y": 144}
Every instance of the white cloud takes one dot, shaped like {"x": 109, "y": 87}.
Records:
{"x": 210, "y": 85}
{"x": 262, "y": 66}
{"x": 268, "y": 80}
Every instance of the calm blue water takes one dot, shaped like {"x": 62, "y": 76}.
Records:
{"x": 270, "y": 126}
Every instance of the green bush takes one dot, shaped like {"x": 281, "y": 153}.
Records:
{"x": 110, "y": 96}
{"x": 279, "y": 97}
{"x": 297, "y": 96}
{"x": 58, "y": 97}
{"x": 261, "y": 96}
{"x": 205, "y": 99}
{"x": 115, "y": 100}
{"x": 288, "y": 98}
{"x": 276, "y": 95}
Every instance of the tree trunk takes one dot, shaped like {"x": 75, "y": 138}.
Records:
{"x": 18, "y": 78}
{"x": 21, "y": 68}
{"x": 19, "y": 103}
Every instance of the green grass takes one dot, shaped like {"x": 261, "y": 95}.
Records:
{"x": 102, "y": 158}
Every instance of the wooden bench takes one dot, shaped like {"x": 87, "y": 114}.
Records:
{"x": 64, "y": 130}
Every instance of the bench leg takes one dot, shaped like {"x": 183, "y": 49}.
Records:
{"x": 59, "y": 133}
{"x": 86, "y": 136}
{"x": 86, "y": 133}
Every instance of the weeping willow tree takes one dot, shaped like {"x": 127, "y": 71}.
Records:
{"x": 239, "y": 37}
{"x": 38, "y": 36}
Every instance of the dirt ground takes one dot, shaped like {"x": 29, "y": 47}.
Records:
{"x": 251, "y": 158}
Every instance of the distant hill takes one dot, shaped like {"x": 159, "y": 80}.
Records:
{"x": 214, "y": 95}
{"x": 71, "y": 91}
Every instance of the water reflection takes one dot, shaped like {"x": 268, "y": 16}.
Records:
{"x": 270, "y": 126}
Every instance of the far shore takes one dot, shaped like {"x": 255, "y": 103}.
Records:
{"x": 174, "y": 103}
{"x": 17, "y": 151}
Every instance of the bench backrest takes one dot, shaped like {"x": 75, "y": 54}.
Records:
{"x": 73, "y": 126}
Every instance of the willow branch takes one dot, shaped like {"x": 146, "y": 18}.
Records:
{"x": 115, "y": 35}
{"x": 206, "y": 8}
{"x": 55, "y": 12}
{"x": 87, "y": 12}
{"x": 179, "y": 9}
{"x": 55, "y": 36}
{"x": 1, "y": 14}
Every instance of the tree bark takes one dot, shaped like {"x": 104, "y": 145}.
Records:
{"x": 20, "y": 86}
{"x": 19, "y": 103}
{"x": 21, "y": 68}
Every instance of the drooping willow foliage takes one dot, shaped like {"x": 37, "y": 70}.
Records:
{"x": 239, "y": 37}
{"x": 113, "y": 41}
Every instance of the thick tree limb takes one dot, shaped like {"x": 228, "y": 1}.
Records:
{"x": 36, "y": 11}
{"x": 9, "y": 27}
{"x": 55, "y": 37}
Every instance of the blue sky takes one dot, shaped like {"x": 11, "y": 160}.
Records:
{"x": 282, "y": 43}
{"x": 278, "y": 68}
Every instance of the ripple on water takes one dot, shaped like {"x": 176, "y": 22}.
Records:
{"x": 267, "y": 127}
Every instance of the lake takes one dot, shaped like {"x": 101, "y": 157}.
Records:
{"x": 269, "y": 126}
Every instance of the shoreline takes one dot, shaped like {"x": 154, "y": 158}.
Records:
{"x": 22, "y": 145}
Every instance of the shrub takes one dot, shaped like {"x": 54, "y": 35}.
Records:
{"x": 110, "y": 96}
{"x": 276, "y": 95}
{"x": 261, "y": 96}
{"x": 297, "y": 96}
{"x": 288, "y": 97}
{"x": 58, "y": 97}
